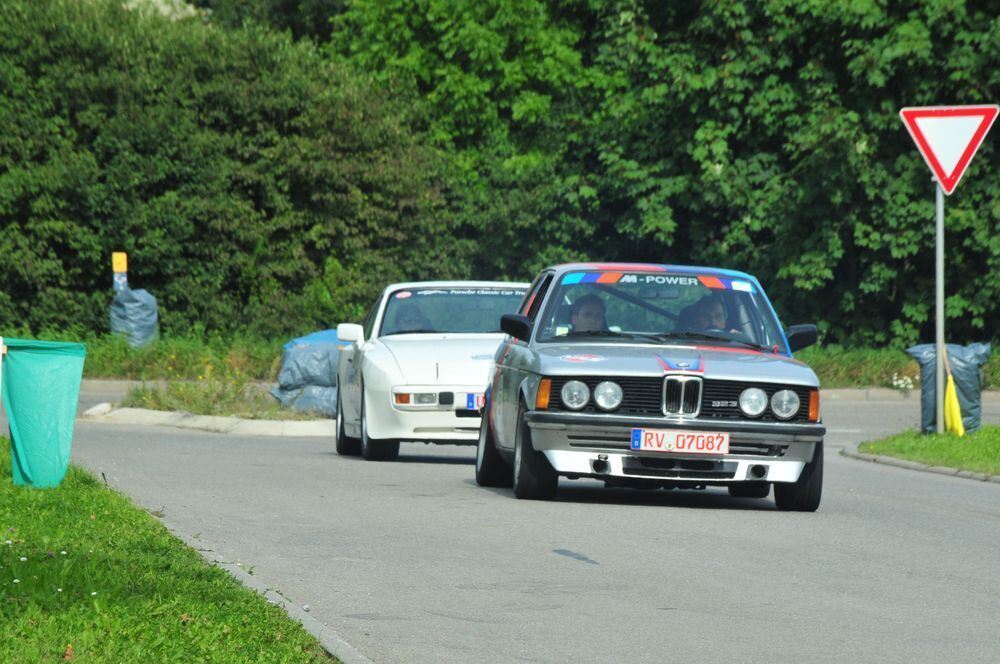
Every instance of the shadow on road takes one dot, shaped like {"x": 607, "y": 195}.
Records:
{"x": 427, "y": 458}
{"x": 592, "y": 493}
{"x": 415, "y": 458}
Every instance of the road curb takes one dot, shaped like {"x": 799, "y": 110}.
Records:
{"x": 914, "y": 465}
{"x": 104, "y": 413}
{"x": 328, "y": 638}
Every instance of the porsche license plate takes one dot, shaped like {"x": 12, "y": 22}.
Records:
{"x": 674, "y": 440}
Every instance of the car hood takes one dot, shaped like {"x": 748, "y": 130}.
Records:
{"x": 722, "y": 362}
{"x": 444, "y": 359}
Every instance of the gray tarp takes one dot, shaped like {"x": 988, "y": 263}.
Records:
{"x": 966, "y": 367}
{"x": 307, "y": 379}
{"x": 134, "y": 314}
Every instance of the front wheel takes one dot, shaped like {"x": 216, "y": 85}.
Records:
{"x": 490, "y": 467}
{"x": 371, "y": 448}
{"x": 534, "y": 477}
{"x": 803, "y": 495}
{"x": 345, "y": 446}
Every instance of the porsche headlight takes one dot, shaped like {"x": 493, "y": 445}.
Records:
{"x": 753, "y": 401}
{"x": 608, "y": 395}
{"x": 785, "y": 403}
{"x": 575, "y": 395}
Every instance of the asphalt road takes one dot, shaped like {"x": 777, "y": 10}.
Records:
{"x": 412, "y": 562}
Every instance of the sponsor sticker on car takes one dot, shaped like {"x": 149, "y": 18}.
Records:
{"x": 475, "y": 401}
{"x": 675, "y": 440}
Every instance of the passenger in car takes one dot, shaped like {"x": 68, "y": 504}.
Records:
{"x": 587, "y": 314}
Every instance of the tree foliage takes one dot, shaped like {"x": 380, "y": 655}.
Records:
{"x": 273, "y": 180}
{"x": 758, "y": 136}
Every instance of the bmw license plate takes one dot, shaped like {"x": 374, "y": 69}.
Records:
{"x": 674, "y": 440}
{"x": 475, "y": 401}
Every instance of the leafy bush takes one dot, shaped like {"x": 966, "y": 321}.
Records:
{"x": 256, "y": 186}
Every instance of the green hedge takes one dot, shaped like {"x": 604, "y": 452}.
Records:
{"x": 256, "y": 186}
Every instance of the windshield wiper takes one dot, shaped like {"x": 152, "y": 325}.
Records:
{"x": 607, "y": 333}
{"x": 413, "y": 332}
{"x": 710, "y": 337}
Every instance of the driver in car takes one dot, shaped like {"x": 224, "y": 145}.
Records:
{"x": 587, "y": 314}
{"x": 706, "y": 314}
{"x": 409, "y": 318}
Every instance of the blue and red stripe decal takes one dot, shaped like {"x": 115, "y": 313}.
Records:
{"x": 695, "y": 366}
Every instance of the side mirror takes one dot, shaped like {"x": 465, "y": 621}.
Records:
{"x": 801, "y": 336}
{"x": 350, "y": 332}
{"x": 516, "y": 325}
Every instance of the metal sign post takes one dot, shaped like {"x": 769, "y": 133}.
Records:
{"x": 939, "y": 312}
{"x": 947, "y": 138}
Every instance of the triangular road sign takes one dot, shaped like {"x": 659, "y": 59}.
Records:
{"x": 948, "y": 137}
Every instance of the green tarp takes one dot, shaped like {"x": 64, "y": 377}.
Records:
{"x": 40, "y": 387}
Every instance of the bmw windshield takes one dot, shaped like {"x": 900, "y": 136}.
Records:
{"x": 450, "y": 309}
{"x": 660, "y": 307}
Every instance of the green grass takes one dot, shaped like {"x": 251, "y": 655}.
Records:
{"x": 231, "y": 398}
{"x": 167, "y": 358}
{"x": 978, "y": 452}
{"x": 101, "y": 576}
{"x": 109, "y": 356}
{"x": 873, "y": 367}
{"x": 207, "y": 357}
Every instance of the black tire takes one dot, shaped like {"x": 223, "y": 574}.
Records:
{"x": 346, "y": 446}
{"x": 749, "y": 489}
{"x": 491, "y": 470}
{"x": 373, "y": 449}
{"x": 805, "y": 494}
{"x": 534, "y": 477}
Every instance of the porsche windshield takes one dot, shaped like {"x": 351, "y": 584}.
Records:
{"x": 461, "y": 310}
{"x": 660, "y": 307}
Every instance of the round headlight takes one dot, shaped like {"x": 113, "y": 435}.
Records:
{"x": 785, "y": 404}
{"x": 753, "y": 401}
{"x": 575, "y": 395}
{"x": 608, "y": 395}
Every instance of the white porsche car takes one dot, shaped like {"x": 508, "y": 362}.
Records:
{"x": 418, "y": 367}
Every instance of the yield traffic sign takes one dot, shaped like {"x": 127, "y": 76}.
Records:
{"x": 948, "y": 137}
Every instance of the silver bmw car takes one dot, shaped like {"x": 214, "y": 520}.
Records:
{"x": 652, "y": 375}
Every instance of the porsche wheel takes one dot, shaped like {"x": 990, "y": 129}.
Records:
{"x": 373, "y": 449}
{"x": 490, "y": 467}
{"x": 346, "y": 446}
{"x": 534, "y": 477}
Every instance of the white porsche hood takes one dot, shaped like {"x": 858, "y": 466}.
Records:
{"x": 444, "y": 359}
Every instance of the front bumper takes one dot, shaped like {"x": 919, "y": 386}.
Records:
{"x": 446, "y": 423}
{"x": 585, "y": 445}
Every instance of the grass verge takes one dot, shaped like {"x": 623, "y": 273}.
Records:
{"x": 232, "y": 398}
{"x": 86, "y": 575}
{"x": 874, "y": 367}
{"x": 978, "y": 452}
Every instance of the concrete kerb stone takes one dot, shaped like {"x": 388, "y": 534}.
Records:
{"x": 331, "y": 642}
{"x": 914, "y": 465}
{"x": 104, "y": 412}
